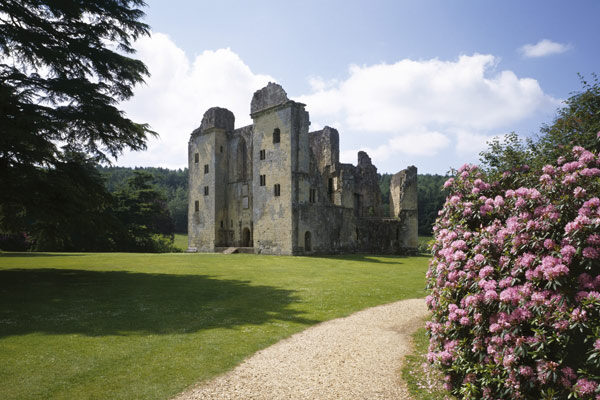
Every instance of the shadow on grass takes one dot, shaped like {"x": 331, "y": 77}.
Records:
{"x": 56, "y": 301}
{"x": 367, "y": 258}
{"x": 32, "y": 254}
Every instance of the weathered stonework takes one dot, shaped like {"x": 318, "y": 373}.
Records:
{"x": 274, "y": 188}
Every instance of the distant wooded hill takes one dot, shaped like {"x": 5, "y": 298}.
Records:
{"x": 174, "y": 185}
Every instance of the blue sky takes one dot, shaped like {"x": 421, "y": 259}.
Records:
{"x": 419, "y": 82}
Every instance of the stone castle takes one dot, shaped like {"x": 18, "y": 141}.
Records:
{"x": 273, "y": 187}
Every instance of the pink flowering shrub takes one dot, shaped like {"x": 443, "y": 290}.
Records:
{"x": 515, "y": 283}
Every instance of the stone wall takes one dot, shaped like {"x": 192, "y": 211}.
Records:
{"x": 403, "y": 203}
{"x": 322, "y": 206}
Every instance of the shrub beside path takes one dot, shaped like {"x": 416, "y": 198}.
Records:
{"x": 356, "y": 357}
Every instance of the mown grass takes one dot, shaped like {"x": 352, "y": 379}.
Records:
{"x": 181, "y": 241}
{"x": 123, "y": 326}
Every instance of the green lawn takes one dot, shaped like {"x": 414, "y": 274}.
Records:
{"x": 181, "y": 241}
{"x": 112, "y": 326}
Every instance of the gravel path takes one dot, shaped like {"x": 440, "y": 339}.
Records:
{"x": 357, "y": 357}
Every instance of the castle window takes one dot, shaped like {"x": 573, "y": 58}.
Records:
{"x": 196, "y": 206}
{"x": 276, "y": 135}
{"x": 196, "y": 158}
{"x": 312, "y": 195}
{"x": 221, "y": 149}
{"x": 263, "y": 180}
{"x": 263, "y": 154}
{"x": 221, "y": 224}
{"x": 242, "y": 160}
{"x": 206, "y": 168}
{"x": 277, "y": 189}
{"x": 206, "y": 190}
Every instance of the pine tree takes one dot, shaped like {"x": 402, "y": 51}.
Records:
{"x": 64, "y": 66}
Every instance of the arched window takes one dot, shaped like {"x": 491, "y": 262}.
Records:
{"x": 276, "y": 135}
{"x": 242, "y": 160}
{"x": 307, "y": 244}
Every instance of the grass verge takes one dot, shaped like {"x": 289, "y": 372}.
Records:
{"x": 423, "y": 380}
{"x": 123, "y": 326}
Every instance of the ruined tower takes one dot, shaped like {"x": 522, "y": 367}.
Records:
{"x": 273, "y": 187}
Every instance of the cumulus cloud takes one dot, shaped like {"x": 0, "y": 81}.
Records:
{"x": 178, "y": 93}
{"x": 419, "y": 143}
{"x": 425, "y": 111}
{"x": 391, "y": 97}
{"x": 543, "y": 48}
{"x": 422, "y": 108}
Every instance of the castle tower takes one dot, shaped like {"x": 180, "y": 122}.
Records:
{"x": 281, "y": 155}
{"x": 208, "y": 173}
{"x": 403, "y": 205}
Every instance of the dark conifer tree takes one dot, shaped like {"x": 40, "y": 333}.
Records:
{"x": 64, "y": 66}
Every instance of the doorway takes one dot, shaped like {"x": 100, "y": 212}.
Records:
{"x": 307, "y": 244}
{"x": 246, "y": 242}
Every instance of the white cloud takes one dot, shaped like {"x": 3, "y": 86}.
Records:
{"x": 180, "y": 90}
{"x": 470, "y": 143}
{"x": 543, "y": 48}
{"x": 417, "y": 109}
{"x": 426, "y": 112}
{"x": 418, "y": 143}
{"x": 391, "y": 97}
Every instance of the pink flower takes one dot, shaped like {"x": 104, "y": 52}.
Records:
{"x": 549, "y": 244}
{"x": 585, "y": 386}
{"x": 579, "y": 192}
{"x": 490, "y": 295}
{"x": 590, "y": 252}
{"x": 498, "y": 201}
{"x": 486, "y": 271}
{"x": 546, "y": 179}
{"x": 594, "y": 239}
{"x": 590, "y": 172}
{"x": 572, "y": 166}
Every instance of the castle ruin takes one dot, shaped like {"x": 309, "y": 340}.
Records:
{"x": 273, "y": 187}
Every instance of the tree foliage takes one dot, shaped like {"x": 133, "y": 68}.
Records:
{"x": 576, "y": 124}
{"x": 173, "y": 184}
{"x": 64, "y": 66}
{"x": 142, "y": 210}
{"x": 431, "y": 197}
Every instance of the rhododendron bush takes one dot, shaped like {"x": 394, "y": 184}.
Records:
{"x": 515, "y": 282}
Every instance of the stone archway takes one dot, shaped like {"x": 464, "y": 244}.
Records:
{"x": 307, "y": 241}
{"x": 246, "y": 238}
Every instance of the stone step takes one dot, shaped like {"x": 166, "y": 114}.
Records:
{"x": 230, "y": 250}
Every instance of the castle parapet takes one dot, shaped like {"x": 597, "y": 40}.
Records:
{"x": 270, "y": 96}
{"x": 216, "y": 117}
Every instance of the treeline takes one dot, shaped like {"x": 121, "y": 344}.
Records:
{"x": 431, "y": 198}
{"x": 77, "y": 212}
{"x": 172, "y": 184}
{"x": 139, "y": 209}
